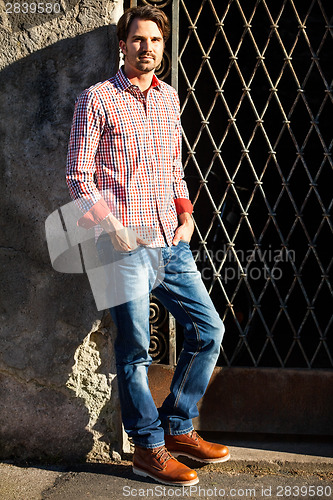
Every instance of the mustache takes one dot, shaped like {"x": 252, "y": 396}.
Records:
{"x": 145, "y": 53}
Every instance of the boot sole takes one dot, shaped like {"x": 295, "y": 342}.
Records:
{"x": 197, "y": 459}
{"x": 144, "y": 473}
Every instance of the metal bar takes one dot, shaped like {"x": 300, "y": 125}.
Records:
{"x": 175, "y": 44}
{"x": 172, "y": 341}
{"x": 299, "y": 123}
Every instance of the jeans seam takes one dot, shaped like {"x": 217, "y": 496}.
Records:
{"x": 197, "y": 351}
{"x": 166, "y": 263}
{"x": 170, "y": 256}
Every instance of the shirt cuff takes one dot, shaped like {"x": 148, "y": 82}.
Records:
{"x": 95, "y": 215}
{"x": 183, "y": 205}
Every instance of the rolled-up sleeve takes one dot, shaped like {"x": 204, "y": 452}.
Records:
{"x": 87, "y": 127}
{"x": 180, "y": 191}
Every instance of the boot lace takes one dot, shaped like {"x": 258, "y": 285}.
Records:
{"x": 194, "y": 435}
{"x": 162, "y": 455}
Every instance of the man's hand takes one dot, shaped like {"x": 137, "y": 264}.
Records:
{"x": 185, "y": 229}
{"x": 123, "y": 238}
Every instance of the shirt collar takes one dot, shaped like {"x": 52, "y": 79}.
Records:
{"x": 124, "y": 83}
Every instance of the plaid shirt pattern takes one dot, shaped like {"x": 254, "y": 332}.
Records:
{"x": 124, "y": 157}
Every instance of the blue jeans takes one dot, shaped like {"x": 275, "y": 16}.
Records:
{"x": 177, "y": 283}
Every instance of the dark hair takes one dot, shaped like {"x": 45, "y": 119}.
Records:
{"x": 147, "y": 13}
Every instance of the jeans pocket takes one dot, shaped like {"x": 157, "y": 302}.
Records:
{"x": 128, "y": 253}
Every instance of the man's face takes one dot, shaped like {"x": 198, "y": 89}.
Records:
{"x": 143, "y": 48}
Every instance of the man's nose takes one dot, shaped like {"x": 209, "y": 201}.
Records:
{"x": 147, "y": 45}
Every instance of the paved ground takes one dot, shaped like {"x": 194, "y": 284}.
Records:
{"x": 258, "y": 469}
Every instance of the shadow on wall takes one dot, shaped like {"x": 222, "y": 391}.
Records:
{"x": 55, "y": 348}
{"x": 34, "y": 14}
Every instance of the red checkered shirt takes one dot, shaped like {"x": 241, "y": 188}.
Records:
{"x": 124, "y": 158}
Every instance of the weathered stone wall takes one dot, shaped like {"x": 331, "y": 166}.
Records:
{"x": 58, "y": 396}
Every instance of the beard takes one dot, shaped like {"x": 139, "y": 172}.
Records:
{"x": 145, "y": 62}
{"x": 146, "y": 65}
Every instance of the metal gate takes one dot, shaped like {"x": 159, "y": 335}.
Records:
{"x": 255, "y": 84}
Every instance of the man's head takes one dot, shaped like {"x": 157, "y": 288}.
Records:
{"x": 146, "y": 13}
{"x": 142, "y": 32}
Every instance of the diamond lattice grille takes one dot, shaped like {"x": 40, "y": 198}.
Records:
{"x": 255, "y": 81}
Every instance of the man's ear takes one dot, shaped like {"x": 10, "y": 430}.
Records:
{"x": 122, "y": 46}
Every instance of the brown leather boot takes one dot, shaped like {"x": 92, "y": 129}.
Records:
{"x": 193, "y": 446}
{"x": 158, "y": 464}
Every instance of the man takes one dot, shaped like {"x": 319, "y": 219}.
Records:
{"x": 124, "y": 169}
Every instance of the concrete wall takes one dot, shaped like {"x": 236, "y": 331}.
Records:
{"x": 58, "y": 398}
